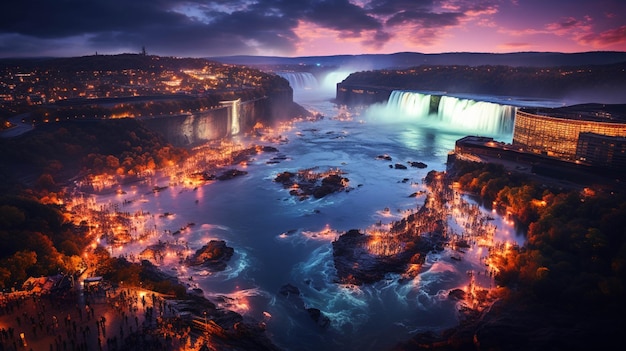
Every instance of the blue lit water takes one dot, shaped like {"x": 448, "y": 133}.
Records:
{"x": 279, "y": 239}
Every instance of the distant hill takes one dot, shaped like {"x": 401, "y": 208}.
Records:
{"x": 105, "y": 63}
{"x": 409, "y": 59}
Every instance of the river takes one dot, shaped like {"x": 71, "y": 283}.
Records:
{"x": 279, "y": 239}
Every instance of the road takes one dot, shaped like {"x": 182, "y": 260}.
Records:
{"x": 18, "y": 128}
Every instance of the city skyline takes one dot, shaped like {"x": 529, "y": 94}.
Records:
{"x": 200, "y": 28}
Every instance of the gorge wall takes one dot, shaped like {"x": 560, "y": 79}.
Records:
{"x": 361, "y": 94}
{"x": 192, "y": 129}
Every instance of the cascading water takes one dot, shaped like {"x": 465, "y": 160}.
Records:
{"x": 478, "y": 116}
{"x": 300, "y": 80}
{"x": 409, "y": 104}
{"x": 452, "y": 113}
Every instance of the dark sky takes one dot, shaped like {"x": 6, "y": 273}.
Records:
{"x": 200, "y": 28}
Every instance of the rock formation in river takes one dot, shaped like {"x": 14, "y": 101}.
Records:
{"x": 366, "y": 258}
{"x": 309, "y": 182}
{"x": 213, "y": 255}
{"x": 291, "y": 294}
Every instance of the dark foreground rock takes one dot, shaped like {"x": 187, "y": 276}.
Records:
{"x": 291, "y": 294}
{"x": 513, "y": 325}
{"x": 227, "y": 330}
{"x": 318, "y": 317}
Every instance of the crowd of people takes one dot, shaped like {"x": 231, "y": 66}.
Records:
{"x": 89, "y": 319}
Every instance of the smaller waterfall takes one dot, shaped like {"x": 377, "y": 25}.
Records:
{"x": 300, "y": 80}
{"x": 233, "y": 108}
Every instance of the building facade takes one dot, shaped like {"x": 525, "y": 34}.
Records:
{"x": 593, "y": 138}
{"x": 601, "y": 150}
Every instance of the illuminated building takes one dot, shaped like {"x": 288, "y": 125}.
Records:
{"x": 581, "y": 144}
{"x": 583, "y": 134}
{"x": 601, "y": 150}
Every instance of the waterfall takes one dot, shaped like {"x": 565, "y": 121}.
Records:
{"x": 462, "y": 114}
{"x": 409, "y": 104}
{"x": 300, "y": 80}
{"x": 477, "y": 116}
{"x": 233, "y": 114}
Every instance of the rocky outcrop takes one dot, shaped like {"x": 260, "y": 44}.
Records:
{"x": 230, "y": 174}
{"x": 213, "y": 255}
{"x": 417, "y": 164}
{"x": 360, "y": 258}
{"x": 356, "y": 265}
{"x": 308, "y": 182}
{"x": 318, "y": 317}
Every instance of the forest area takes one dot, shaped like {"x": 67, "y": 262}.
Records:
{"x": 565, "y": 286}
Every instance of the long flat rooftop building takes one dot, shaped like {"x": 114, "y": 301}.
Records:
{"x": 486, "y": 149}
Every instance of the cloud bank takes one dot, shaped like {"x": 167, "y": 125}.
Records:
{"x": 262, "y": 27}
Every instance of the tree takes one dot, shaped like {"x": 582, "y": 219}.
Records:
{"x": 11, "y": 216}
{"x": 19, "y": 264}
{"x": 46, "y": 182}
{"x": 69, "y": 247}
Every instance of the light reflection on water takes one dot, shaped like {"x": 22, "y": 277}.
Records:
{"x": 279, "y": 239}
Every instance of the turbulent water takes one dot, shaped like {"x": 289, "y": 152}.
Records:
{"x": 279, "y": 239}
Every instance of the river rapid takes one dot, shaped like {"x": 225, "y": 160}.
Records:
{"x": 279, "y": 239}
